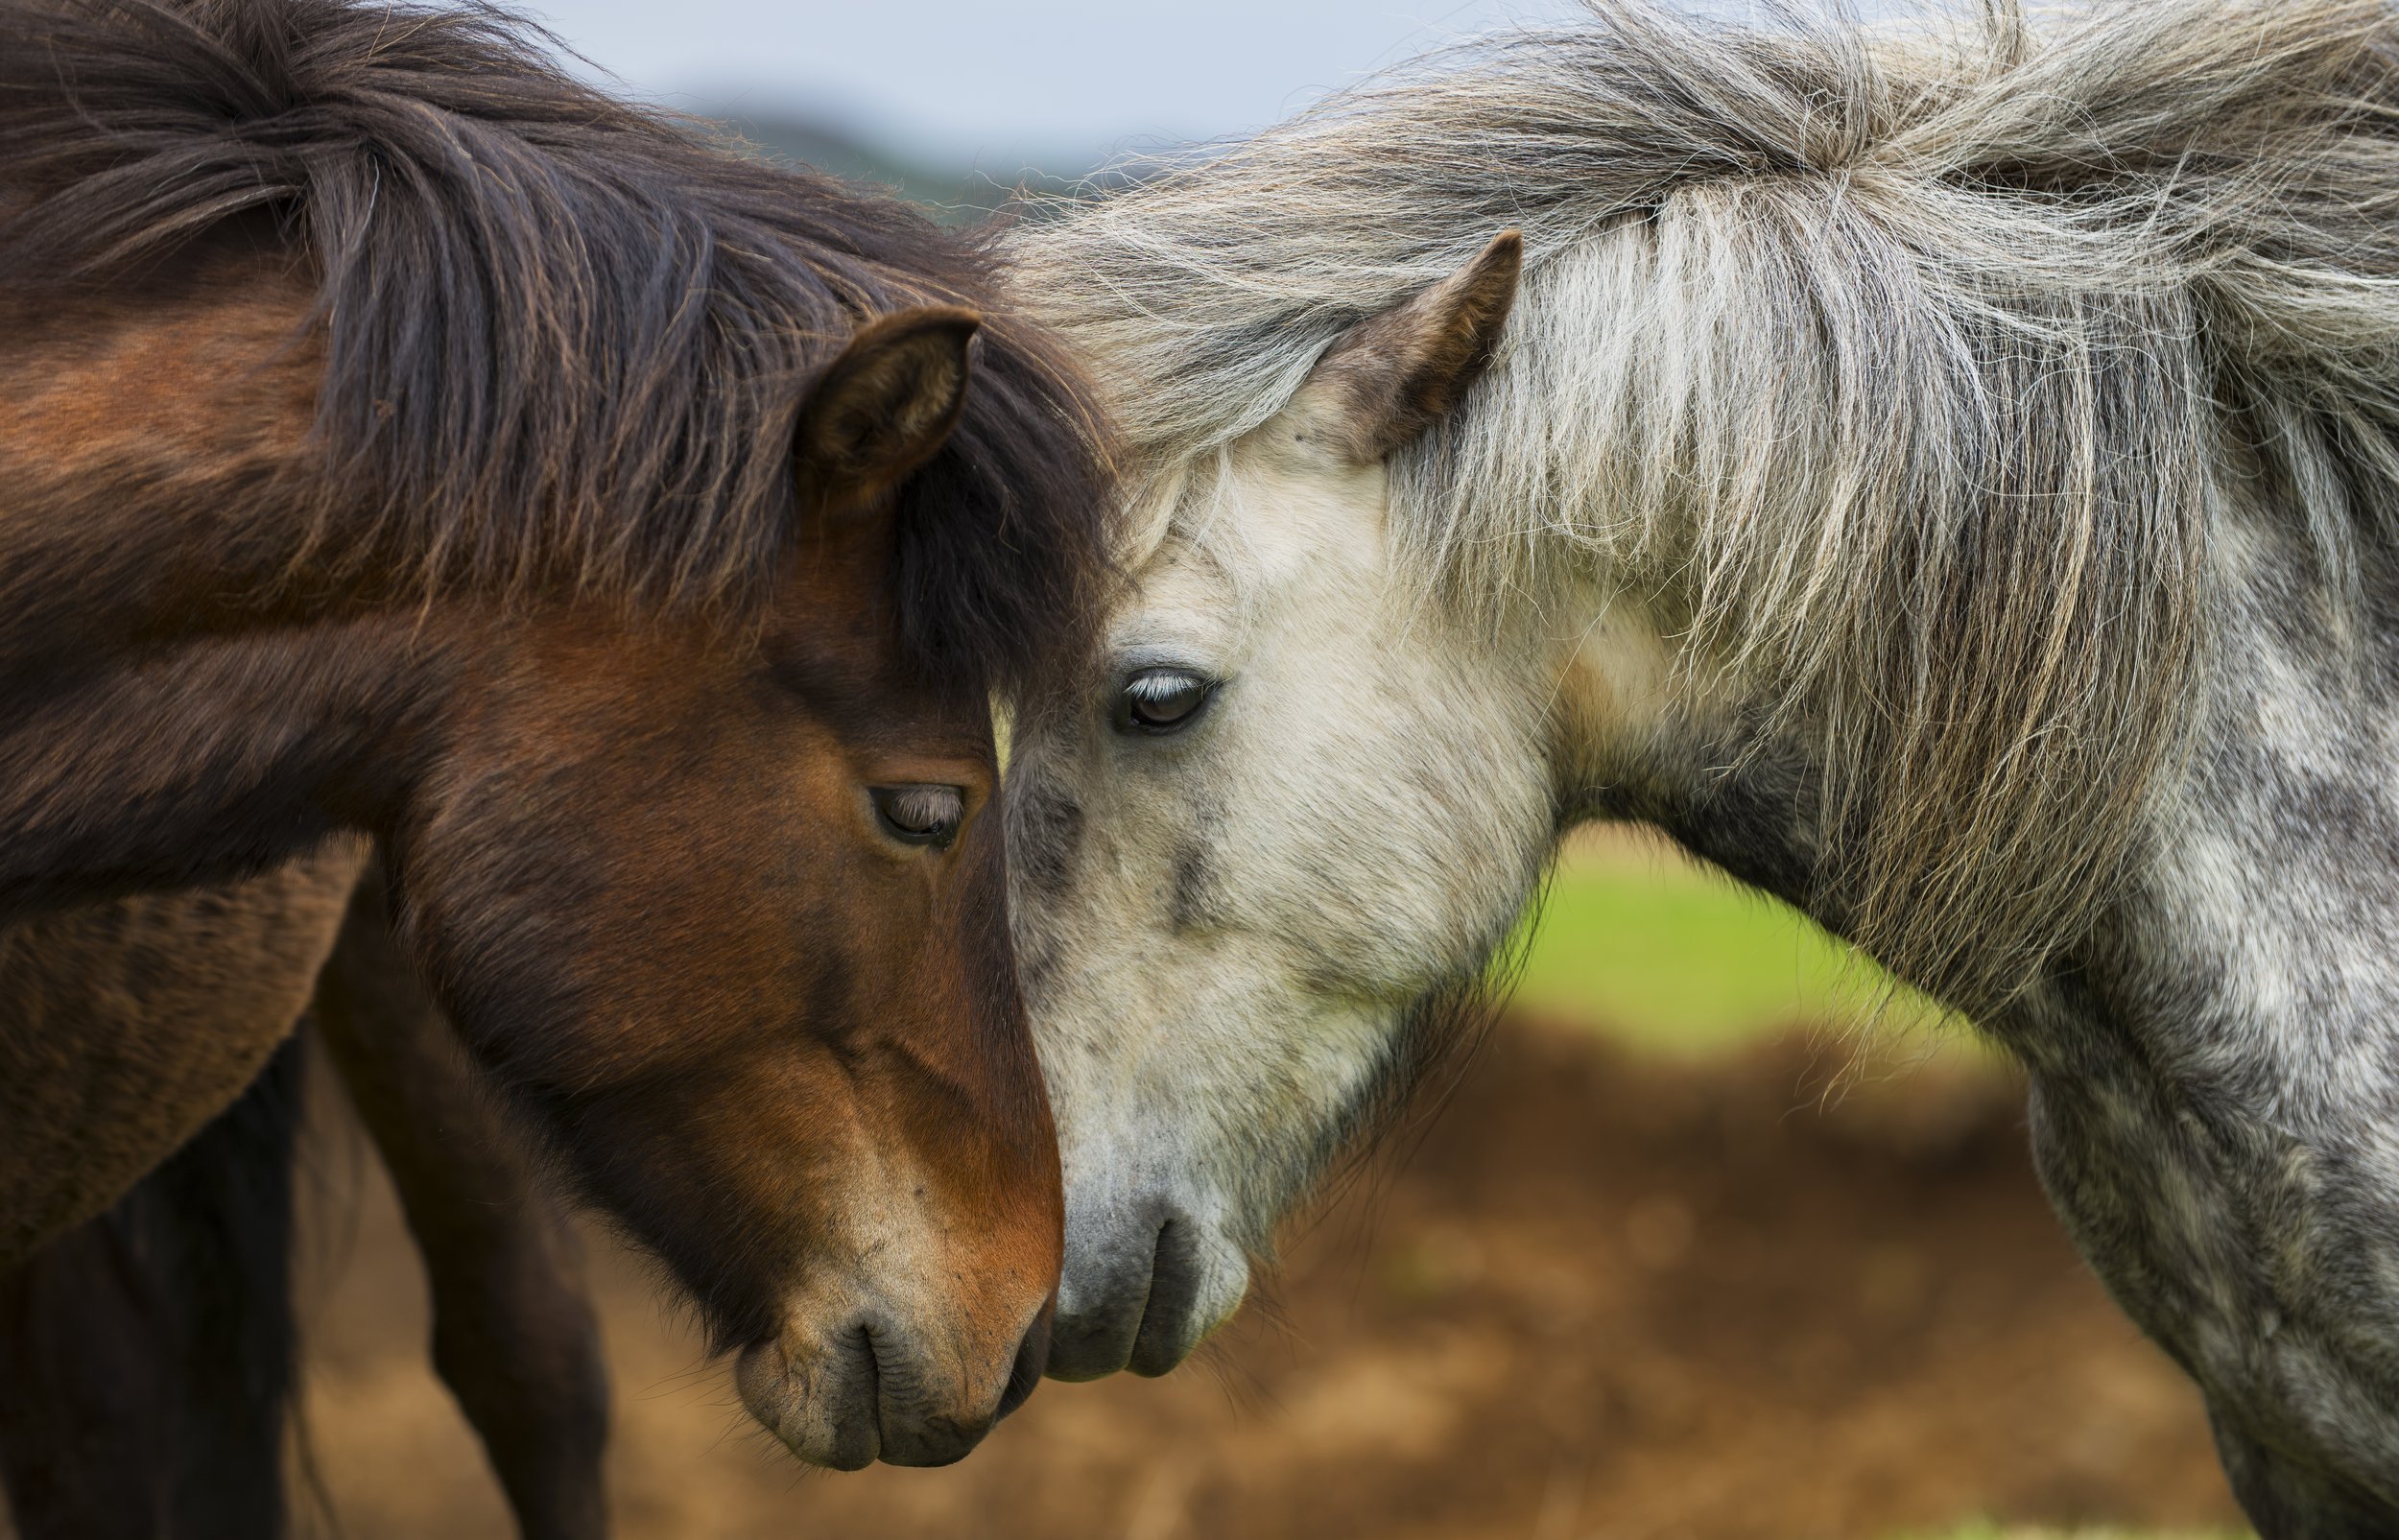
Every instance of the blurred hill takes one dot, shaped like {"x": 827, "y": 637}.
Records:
{"x": 832, "y": 149}
{"x": 958, "y": 192}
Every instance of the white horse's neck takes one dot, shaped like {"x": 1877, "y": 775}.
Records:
{"x": 1642, "y": 732}
{"x": 2217, "y": 1067}
{"x": 2216, "y": 1063}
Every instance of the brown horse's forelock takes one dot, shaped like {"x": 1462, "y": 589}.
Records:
{"x": 566, "y": 338}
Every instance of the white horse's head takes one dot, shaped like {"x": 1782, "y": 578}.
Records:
{"x": 1294, "y": 804}
{"x": 1828, "y": 503}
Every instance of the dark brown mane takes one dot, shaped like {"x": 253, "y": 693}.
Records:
{"x": 565, "y": 338}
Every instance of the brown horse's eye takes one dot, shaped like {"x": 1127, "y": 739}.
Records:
{"x": 1162, "y": 701}
{"x": 921, "y": 815}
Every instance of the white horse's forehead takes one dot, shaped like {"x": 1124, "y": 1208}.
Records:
{"x": 1183, "y": 602}
{"x": 1281, "y": 517}
{"x": 1299, "y": 507}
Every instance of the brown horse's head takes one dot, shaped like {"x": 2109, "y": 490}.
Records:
{"x": 732, "y": 918}
{"x": 633, "y": 537}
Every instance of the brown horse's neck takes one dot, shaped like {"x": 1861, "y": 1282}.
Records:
{"x": 210, "y": 760}
{"x": 175, "y": 678}
{"x": 155, "y": 461}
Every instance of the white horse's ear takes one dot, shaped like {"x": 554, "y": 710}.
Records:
{"x": 1395, "y": 374}
{"x": 886, "y": 405}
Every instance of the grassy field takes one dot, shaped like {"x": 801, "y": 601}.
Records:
{"x": 1637, "y": 937}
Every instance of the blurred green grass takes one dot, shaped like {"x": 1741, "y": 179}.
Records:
{"x": 1636, "y": 939}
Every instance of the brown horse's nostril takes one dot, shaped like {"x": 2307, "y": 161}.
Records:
{"x": 1032, "y": 1355}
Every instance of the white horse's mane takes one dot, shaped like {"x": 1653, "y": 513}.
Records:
{"x": 1906, "y": 373}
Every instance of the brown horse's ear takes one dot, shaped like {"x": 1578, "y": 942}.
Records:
{"x": 1395, "y": 374}
{"x": 886, "y": 405}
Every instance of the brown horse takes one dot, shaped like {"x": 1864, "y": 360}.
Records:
{"x": 146, "y": 1358}
{"x": 397, "y": 436}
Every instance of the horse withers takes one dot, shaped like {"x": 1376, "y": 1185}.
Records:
{"x": 1946, "y": 480}
{"x": 398, "y": 437}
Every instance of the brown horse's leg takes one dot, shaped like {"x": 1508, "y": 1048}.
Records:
{"x": 146, "y": 1355}
{"x": 513, "y": 1331}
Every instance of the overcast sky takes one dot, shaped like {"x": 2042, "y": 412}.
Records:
{"x": 1052, "y": 83}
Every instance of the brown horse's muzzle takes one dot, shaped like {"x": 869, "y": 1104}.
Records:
{"x": 884, "y": 1389}
{"x": 1033, "y": 1356}
{"x": 908, "y": 1335}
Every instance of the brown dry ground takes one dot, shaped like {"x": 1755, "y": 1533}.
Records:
{"x": 1602, "y": 1297}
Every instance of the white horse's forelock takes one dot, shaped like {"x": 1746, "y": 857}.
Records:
{"x": 1900, "y": 372}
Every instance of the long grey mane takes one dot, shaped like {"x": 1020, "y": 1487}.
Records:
{"x": 1908, "y": 372}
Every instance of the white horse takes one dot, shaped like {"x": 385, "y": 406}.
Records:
{"x": 1945, "y": 479}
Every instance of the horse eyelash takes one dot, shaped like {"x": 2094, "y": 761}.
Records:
{"x": 925, "y": 806}
{"x": 1160, "y": 686}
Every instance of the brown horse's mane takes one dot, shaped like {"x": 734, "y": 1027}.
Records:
{"x": 565, "y": 338}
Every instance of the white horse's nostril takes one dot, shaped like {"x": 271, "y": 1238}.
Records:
{"x": 1163, "y": 1334}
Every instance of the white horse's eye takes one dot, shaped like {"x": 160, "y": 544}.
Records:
{"x": 921, "y": 815}
{"x": 1163, "y": 701}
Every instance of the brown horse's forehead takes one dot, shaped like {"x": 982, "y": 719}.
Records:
{"x": 833, "y": 638}
{"x": 879, "y": 701}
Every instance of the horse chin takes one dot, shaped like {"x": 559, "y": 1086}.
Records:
{"x": 872, "y": 1388}
{"x": 1142, "y": 1292}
